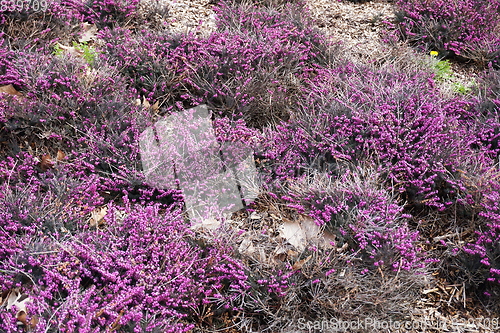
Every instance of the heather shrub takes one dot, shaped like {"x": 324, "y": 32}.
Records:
{"x": 144, "y": 270}
{"x": 403, "y": 124}
{"x": 486, "y": 106}
{"x": 113, "y": 13}
{"x": 39, "y": 30}
{"x": 86, "y": 113}
{"x": 290, "y": 287}
{"x": 331, "y": 286}
{"x": 291, "y": 23}
{"x": 108, "y": 13}
{"x": 360, "y": 213}
{"x": 259, "y": 3}
{"x": 357, "y": 147}
{"x": 476, "y": 263}
{"x": 217, "y": 70}
{"x": 467, "y": 29}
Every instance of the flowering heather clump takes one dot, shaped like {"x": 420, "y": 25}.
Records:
{"x": 487, "y": 106}
{"x": 59, "y": 22}
{"x": 360, "y": 213}
{"x": 478, "y": 262}
{"x": 109, "y": 12}
{"x": 319, "y": 282}
{"x": 402, "y": 124}
{"x": 96, "y": 246}
{"x": 466, "y": 28}
{"x": 143, "y": 270}
{"x": 85, "y": 112}
{"x": 260, "y": 3}
{"x": 254, "y": 73}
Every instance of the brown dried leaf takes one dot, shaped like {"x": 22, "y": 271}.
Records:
{"x": 300, "y": 263}
{"x": 9, "y": 89}
{"x": 145, "y": 103}
{"x": 294, "y": 234}
{"x": 60, "y": 156}
{"x": 154, "y": 108}
{"x": 90, "y": 32}
{"x": 46, "y": 162}
{"x": 97, "y": 216}
{"x": 19, "y": 300}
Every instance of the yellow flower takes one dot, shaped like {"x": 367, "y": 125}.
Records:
{"x": 434, "y": 53}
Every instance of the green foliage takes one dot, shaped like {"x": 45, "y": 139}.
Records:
{"x": 459, "y": 88}
{"x": 58, "y": 51}
{"x": 443, "y": 70}
{"x": 89, "y": 52}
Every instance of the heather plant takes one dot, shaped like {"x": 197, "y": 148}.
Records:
{"x": 217, "y": 70}
{"x": 393, "y": 125}
{"x": 354, "y": 146}
{"x": 260, "y": 3}
{"x": 322, "y": 281}
{"x": 108, "y": 13}
{"x": 113, "y": 13}
{"x": 87, "y": 114}
{"x": 477, "y": 260}
{"x": 486, "y": 104}
{"x": 39, "y": 30}
{"x": 144, "y": 270}
{"x": 361, "y": 214}
{"x": 467, "y": 29}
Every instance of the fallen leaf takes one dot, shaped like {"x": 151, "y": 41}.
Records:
{"x": 255, "y": 216}
{"x": 46, "y": 162}
{"x": 279, "y": 254}
{"x": 9, "y": 89}
{"x": 97, "y": 216}
{"x": 327, "y": 241}
{"x": 154, "y": 108}
{"x": 60, "y": 156}
{"x": 262, "y": 255}
{"x": 314, "y": 234}
{"x": 293, "y": 233}
{"x": 90, "y": 32}
{"x": 311, "y": 229}
{"x": 300, "y": 263}
{"x": 246, "y": 247}
{"x": 145, "y": 103}
{"x": 208, "y": 223}
{"x": 19, "y": 300}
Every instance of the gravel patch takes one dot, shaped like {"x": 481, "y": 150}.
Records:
{"x": 195, "y": 16}
{"x": 357, "y": 26}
